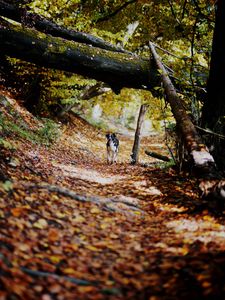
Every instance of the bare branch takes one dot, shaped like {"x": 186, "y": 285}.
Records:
{"x": 115, "y": 12}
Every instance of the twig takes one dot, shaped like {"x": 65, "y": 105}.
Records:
{"x": 106, "y": 17}
{"x": 210, "y": 132}
{"x": 170, "y": 53}
{"x": 173, "y": 12}
{"x": 176, "y": 56}
{"x": 201, "y": 13}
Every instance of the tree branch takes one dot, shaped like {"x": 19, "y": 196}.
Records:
{"x": 46, "y": 26}
{"x": 173, "y": 12}
{"x": 87, "y": 94}
{"x": 106, "y": 17}
{"x": 201, "y": 13}
{"x": 208, "y": 131}
{"x": 116, "y": 69}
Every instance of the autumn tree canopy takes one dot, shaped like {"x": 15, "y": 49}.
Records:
{"x": 129, "y": 24}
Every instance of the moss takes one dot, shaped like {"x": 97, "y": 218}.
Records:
{"x": 46, "y": 134}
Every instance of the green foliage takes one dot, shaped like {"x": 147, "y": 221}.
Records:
{"x": 165, "y": 165}
{"x": 184, "y": 28}
{"x": 7, "y": 185}
{"x": 46, "y": 134}
{"x": 61, "y": 88}
{"x": 6, "y": 144}
{"x": 49, "y": 132}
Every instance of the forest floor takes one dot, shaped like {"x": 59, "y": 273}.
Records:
{"x": 74, "y": 227}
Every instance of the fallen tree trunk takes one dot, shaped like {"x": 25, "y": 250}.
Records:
{"x": 203, "y": 163}
{"x": 117, "y": 69}
{"x": 157, "y": 155}
{"x": 44, "y": 25}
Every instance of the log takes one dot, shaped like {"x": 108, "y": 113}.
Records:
{"x": 44, "y": 25}
{"x": 116, "y": 69}
{"x": 157, "y": 155}
{"x": 203, "y": 162}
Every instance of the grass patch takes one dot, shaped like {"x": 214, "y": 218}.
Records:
{"x": 49, "y": 133}
{"x": 6, "y": 144}
{"x": 46, "y": 134}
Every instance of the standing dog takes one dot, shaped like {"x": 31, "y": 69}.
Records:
{"x": 112, "y": 146}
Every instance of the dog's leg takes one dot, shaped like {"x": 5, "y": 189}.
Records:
{"x": 115, "y": 157}
{"x": 112, "y": 158}
{"x": 109, "y": 156}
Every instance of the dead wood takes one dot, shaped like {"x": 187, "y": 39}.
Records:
{"x": 157, "y": 155}
{"x": 119, "y": 204}
{"x": 117, "y": 69}
{"x": 203, "y": 164}
{"x": 44, "y": 25}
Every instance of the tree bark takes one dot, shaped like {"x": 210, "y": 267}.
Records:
{"x": 137, "y": 138}
{"x": 214, "y": 106}
{"x": 203, "y": 163}
{"x": 157, "y": 155}
{"x": 213, "y": 111}
{"x": 42, "y": 24}
{"x": 117, "y": 69}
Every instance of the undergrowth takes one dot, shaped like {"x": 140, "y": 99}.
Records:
{"x": 45, "y": 135}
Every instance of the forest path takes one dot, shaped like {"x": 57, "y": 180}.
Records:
{"x": 55, "y": 247}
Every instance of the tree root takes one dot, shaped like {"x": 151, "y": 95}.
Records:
{"x": 121, "y": 204}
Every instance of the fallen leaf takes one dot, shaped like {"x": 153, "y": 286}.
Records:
{"x": 41, "y": 224}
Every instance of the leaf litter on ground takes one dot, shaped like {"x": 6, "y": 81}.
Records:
{"x": 154, "y": 239}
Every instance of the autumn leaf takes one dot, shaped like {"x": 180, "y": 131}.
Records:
{"x": 41, "y": 224}
{"x": 18, "y": 211}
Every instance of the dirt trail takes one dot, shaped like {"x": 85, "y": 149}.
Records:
{"x": 155, "y": 240}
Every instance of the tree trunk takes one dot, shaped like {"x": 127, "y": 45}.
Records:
{"x": 137, "y": 138}
{"x": 203, "y": 163}
{"x": 214, "y": 107}
{"x": 42, "y": 24}
{"x": 117, "y": 69}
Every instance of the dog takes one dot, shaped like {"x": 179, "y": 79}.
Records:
{"x": 112, "y": 147}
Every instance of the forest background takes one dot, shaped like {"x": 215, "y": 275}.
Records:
{"x": 183, "y": 28}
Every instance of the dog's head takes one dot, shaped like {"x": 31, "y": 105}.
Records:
{"x": 110, "y": 136}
